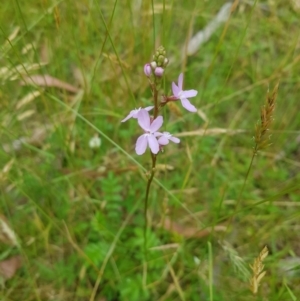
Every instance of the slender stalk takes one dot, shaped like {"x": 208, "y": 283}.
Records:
{"x": 146, "y": 203}
{"x": 155, "y": 98}
{"x": 262, "y": 139}
{"x": 159, "y": 63}
{"x": 210, "y": 271}
{"x": 150, "y": 179}
{"x": 147, "y": 197}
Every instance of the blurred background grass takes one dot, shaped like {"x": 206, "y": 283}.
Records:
{"x": 77, "y": 212}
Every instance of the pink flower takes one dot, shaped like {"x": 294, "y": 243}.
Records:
{"x": 135, "y": 113}
{"x": 183, "y": 95}
{"x": 159, "y": 71}
{"x": 150, "y": 128}
{"x": 166, "y": 137}
{"x": 147, "y": 70}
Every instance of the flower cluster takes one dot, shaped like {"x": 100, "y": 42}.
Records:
{"x": 158, "y": 65}
{"x": 152, "y": 138}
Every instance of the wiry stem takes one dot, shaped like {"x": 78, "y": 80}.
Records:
{"x": 150, "y": 179}
{"x": 148, "y": 189}
{"x": 157, "y": 66}
{"x": 156, "y": 107}
{"x": 261, "y": 139}
{"x": 154, "y": 89}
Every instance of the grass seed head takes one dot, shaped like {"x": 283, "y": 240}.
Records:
{"x": 257, "y": 270}
{"x": 262, "y": 138}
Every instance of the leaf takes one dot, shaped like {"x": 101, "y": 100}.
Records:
{"x": 11, "y": 37}
{"x": 48, "y": 81}
{"x": 293, "y": 297}
{"x": 189, "y": 231}
{"x": 7, "y": 235}
{"x": 27, "y": 99}
{"x": 9, "y": 267}
{"x": 210, "y": 132}
{"x": 5, "y": 170}
{"x": 204, "y": 35}
{"x": 25, "y": 115}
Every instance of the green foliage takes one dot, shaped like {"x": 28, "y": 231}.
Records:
{"x": 131, "y": 288}
{"x": 111, "y": 190}
{"x": 97, "y": 251}
{"x": 75, "y": 210}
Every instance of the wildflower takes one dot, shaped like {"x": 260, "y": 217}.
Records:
{"x": 166, "y": 62}
{"x": 183, "y": 95}
{"x": 95, "y": 142}
{"x": 147, "y": 70}
{"x": 135, "y": 113}
{"x": 159, "y": 71}
{"x": 150, "y": 128}
{"x": 166, "y": 137}
{"x": 153, "y": 65}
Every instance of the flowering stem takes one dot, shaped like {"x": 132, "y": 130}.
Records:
{"x": 148, "y": 190}
{"x": 155, "y": 98}
{"x": 153, "y": 156}
{"x": 150, "y": 179}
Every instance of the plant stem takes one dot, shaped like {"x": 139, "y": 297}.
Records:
{"x": 145, "y": 216}
{"x": 155, "y": 97}
{"x": 148, "y": 189}
{"x": 150, "y": 179}
{"x": 210, "y": 271}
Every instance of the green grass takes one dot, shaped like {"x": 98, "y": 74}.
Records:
{"x": 78, "y": 212}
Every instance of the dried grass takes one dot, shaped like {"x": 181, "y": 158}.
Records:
{"x": 257, "y": 269}
{"x": 262, "y": 138}
{"x": 237, "y": 261}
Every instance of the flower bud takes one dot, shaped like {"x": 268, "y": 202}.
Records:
{"x": 160, "y": 60}
{"x": 159, "y": 71}
{"x": 153, "y": 65}
{"x": 166, "y": 62}
{"x": 147, "y": 70}
{"x": 160, "y": 50}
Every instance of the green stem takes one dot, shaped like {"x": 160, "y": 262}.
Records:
{"x": 156, "y": 106}
{"x": 150, "y": 179}
{"x": 153, "y": 156}
{"x": 148, "y": 190}
{"x": 210, "y": 271}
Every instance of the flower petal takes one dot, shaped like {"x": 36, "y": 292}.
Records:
{"x": 190, "y": 93}
{"x": 144, "y": 120}
{"x": 141, "y": 144}
{"x": 163, "y": 140}
{"x": 130, "y": 115}
{"x": 175, "y": 90}
{"x": 180, "y": 81}
{"x": 157, "y": 134}
{"x": 136, "y": 113}
{"x": 187, "y": 105}
{"x": 153, "y": 144}
{"x": 156, "y": 124}
{"x": 174, "y": 139}
{"x": 149, "y": 108}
